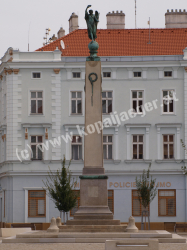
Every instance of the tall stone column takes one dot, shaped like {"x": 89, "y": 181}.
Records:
{"x": 93, "y": 150}
{"x": 93, "y": 182}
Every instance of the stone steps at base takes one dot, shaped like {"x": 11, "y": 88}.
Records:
{"x": 93, "y": 216}
{"x": 93, "y": 228}
{"x": 175, "y": 240}
{"x": 93, "y": 222}
{"x": 107, "y": 235}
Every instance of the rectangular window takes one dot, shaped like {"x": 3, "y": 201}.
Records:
{"x": 76, "y": 75}
{"x": 168, "y": 73}
{"x": 137, "y": 101}
{"x": 36, "y": 203}
{"x": 36, "y": 102}
{"x": 167, "y": 202}
{"x": 76, "y": 146}
{"x": 110, "y": 202}
{"x": 36, "y": 75}
{"x": 137, "y": 146}
{"x": 137, "y": 208}
{"x": 107, "y": 147}
{"x": 168, "y": 144}
{"x": 36, "y": 152}
{"x": 107, "y": 102}
{"x": 137, "y": 74}
{"x": 76, "y": 103}
{"x": 106, "y": 74}
{"x": 168, "y": 101}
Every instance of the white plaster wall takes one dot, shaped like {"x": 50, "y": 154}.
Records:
{"x": 56, "y": 102}
{"x": 14, "y": 103}
{"x": 123, "y": 197}
{"x": 57, "y": 89}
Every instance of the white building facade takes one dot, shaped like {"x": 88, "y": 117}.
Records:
{"x": 144, "y": 112}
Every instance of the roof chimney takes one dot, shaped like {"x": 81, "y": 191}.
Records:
{"x": 61, "y": 32}
{"x": 73, "y": 22}
{"x": 116, "y": 20}
{"x": 177, "y": 19}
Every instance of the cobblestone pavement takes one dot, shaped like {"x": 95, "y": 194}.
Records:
{"x": 52, "y": 246}
{"x": 76, "y": 246}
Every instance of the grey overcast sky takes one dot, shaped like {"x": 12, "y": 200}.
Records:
{"x": 22, "y": 18}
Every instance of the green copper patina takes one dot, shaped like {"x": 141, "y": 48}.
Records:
{"x": 92, "y": 81}
{"x": 93, "y": 177}
{"x": 92, "y": 21}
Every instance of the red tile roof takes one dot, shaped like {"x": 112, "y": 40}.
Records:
{"x": 123, "y": 42}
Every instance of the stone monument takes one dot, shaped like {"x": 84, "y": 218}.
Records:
{"x": 93, "y": 209}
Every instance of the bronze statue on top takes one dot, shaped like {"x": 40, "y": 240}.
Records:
{"x": 92, "y": 21}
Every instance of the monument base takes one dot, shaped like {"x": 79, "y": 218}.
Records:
{"x": 91, "y": 228}
{"x": 93, "y": 212}
{"x": 93, "y": 222}
{"x": 94, "y": 208}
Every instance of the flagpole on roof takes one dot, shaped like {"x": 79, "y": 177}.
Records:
{"x": 29, "y": 34}
{"x": 149, "y": 32}
{"x": 135, "y": 14}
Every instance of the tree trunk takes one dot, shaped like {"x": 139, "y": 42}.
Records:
{"x": 145, "y": 213}
{"x": 64, "y": 219}
{"x": 66, "y": 216}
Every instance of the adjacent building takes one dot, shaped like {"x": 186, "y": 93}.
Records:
{"x": 144, "y": 98}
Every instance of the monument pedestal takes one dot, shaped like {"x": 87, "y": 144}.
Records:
{"x": 93, "y": 198}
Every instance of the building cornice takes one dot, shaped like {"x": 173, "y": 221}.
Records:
{"x": 34, "y": 188}
{"x": 111, "y": 62}
{"x": 74, "y": 126}
{"x": 170, "y": 125}
{"x": 107, "y": 172}
{"x": 137, "y": 125}
{"x": 138, "y": 161}
{"x": 169, "y": 161}
{"x": 36, "y": 125}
